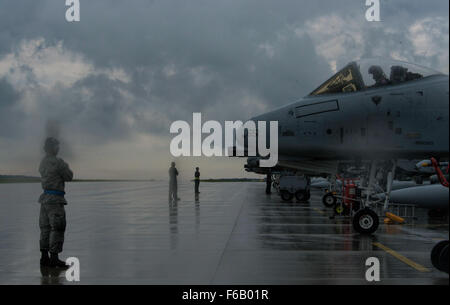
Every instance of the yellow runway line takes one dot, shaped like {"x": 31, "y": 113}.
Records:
{"x": 319, "y": 211}
{"x": 402, "y": 258}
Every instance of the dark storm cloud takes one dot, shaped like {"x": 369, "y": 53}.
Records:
{"x": 219, "y": 41}
{"x": 99, "y": 117}
{"x": 138, "y": 65}
{"x": 9, "y": 114}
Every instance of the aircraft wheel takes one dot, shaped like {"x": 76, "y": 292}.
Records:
{"x": 365, "y": 221}
{"x": 301, "y": 196}
{"x": 286, "y": 196}
{"x": 443, "y": 260}
{"x": 329, "y": 200}
{"x": 437, "y": 255}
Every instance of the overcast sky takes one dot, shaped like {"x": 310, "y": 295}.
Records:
{"x": 110, "y": 85}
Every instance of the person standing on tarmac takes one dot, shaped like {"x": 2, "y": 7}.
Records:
{"x": 52, "y": 219}
{"x": 173, "y": 184}
{"x": 197, "y": 180}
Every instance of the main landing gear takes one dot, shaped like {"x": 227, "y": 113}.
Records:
{"x": 439, "y": 256}
{"x": 364, "y": 219}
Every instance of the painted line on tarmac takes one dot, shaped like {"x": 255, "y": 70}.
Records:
{"x": 402, "y": 258}
{"x": 319, "y": 211}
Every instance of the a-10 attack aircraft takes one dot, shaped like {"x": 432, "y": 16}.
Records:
{"x": 375, "y": 111}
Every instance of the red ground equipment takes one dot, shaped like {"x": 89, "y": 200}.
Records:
{"x": 349, "y": 191}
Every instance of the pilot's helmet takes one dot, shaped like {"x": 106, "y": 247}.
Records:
{"x": 398, "y": 73}
{"x": 376, "y": 70}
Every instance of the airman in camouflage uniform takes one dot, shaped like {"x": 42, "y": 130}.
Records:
{"x": 52, "y": 220}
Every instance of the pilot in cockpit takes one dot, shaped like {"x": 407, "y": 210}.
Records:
{"x": 378, "y": 76}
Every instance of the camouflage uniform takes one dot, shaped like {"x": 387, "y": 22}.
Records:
{"x": 52, "y": 219}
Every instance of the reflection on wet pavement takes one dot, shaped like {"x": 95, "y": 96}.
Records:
{"x": 52, "y": 276}
{"x": 231, "y": 233}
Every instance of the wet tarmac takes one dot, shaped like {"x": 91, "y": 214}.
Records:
{"x": 232, "y": 233}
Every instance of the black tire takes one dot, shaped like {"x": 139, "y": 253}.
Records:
{"x": 301, "y": 196}
{"x": 443, "y": 260}
{"x": 436, "y": 253}
{"x": 366, "y": 221}
{"x": 329, "y": 200}
{"x": 286, "y": 196}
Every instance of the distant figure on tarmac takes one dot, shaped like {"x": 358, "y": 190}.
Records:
{"x": 269, "y": 184}
{"x": 52, "y": 219}
{"x": 197, "y": 180}
{"x": 173, "y": 184}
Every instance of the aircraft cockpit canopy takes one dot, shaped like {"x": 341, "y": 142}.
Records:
{"x": 372, "y": 73}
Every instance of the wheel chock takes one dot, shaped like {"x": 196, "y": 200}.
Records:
{"x": 395, "y": 218}
{"x": 387, "y": 221}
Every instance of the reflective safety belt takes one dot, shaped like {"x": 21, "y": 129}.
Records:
{"x": 54, "y": 192}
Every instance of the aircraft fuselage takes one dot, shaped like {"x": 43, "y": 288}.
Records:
{"x": 409, "y": 121}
